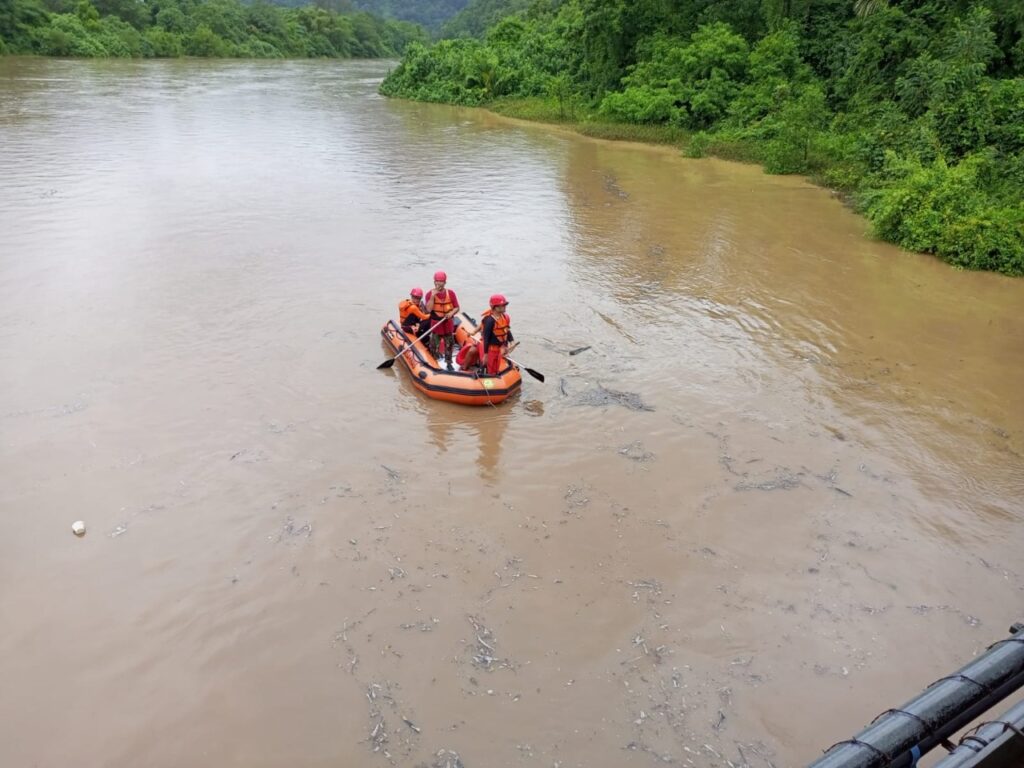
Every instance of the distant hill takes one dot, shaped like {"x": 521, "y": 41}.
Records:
{"x": 478, "y": 15}
{"x": 430, "y": 13}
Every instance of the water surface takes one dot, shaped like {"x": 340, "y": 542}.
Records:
{"x": 294, "y": 559}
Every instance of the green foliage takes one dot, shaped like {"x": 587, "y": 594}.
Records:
{"x": 1006, "y": 100}
{"x": 523, "y": 56}
{"x": 18, "y": 21}
{"x": 131, "y": 11}
{"x": 797, "y": 125}
{"x": 203, "y": 41}
{"x": 454, "y": 71}
{"x": 688, "y": 84}
{"x": 872, "y": 56}
{"x": 172, "y": 19}
{"x": 776, "y": 75}
{"x": 429, "y": 13}
{"x": 477, "y": 16}
{"x": 130, "y": 28}
{"x": 163, "y": 44}
{"x": 698, "y": 145}
{"x": 948, "y": 210}
{"x": 88, "y": 15}
{"x": 66, "y": 35}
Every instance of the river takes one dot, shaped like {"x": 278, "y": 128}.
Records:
{"x": 295, "y": 559}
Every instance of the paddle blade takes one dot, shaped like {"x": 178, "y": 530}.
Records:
{"x": 386, "y": 364}
{"x": 536, "y": 374}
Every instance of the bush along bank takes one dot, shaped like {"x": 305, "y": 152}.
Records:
{"x": 914, "y": 110}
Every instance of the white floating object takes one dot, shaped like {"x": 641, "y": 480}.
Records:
{"x": 78, "y": 528}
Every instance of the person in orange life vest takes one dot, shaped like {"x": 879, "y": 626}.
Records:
{"x": 469, "y": 355}
{"x": 412, "y": 314}
{"x": 442, "y": 304}
{"x": 497, "y": 333}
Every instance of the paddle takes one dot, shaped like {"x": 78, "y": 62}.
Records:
{"x": 536, "y": 374}
{"x": 407, "y": 347}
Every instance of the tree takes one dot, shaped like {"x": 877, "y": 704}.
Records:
{"x": 866, "y": 7}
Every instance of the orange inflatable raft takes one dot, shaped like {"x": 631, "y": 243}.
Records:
{"x": 433, "y": 380}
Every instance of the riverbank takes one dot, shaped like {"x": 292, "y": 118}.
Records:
{"x": 690, "y": 143}
{"x": 821, "y": 168}
{"x": 921, "y": 135}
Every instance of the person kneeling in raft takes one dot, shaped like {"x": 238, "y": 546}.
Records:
{"x": 412, "y": 313}
{"x": 494, "y": 338}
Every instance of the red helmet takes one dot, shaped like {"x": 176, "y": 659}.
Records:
{"x": 497, "y": 300}
{"x": 416, "y": 293}
{"x": 440, "y": 277}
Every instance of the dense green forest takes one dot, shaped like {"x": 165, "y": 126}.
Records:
{"x": 913, "y": 108}
{"x": 480, "y": 15}
{"x": 430, "y": 13}
{"x": 169, "y": 28}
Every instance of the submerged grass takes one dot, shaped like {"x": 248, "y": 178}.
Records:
{"x": 587, "y": 122}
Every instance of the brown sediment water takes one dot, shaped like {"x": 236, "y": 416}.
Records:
{"x": 781, "y": 492}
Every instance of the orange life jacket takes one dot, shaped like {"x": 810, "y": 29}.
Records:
{"x": 442, "y": 306}
{"x": 501, "y": 325}
{"x": 409, "y": 309}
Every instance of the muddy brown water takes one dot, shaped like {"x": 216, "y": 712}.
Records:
{"x": 294, "y": 559}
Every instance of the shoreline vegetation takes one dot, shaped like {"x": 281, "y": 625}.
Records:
{"x": 199, "y": 28}
{"x": 912, "y": 110}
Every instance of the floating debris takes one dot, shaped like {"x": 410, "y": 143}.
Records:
{"x": 78, "y": 528}
{"x": 534, "y": 407}
{"x": 717, "y": 725}
{"x": 575, "y": 496}
{"x": 611, "y": 185}
{"x": 783, "y": 480}
{"x": 578, "y": 350}
{"x": 447, "y": 758}
{"x": 636, "y": 452}
{"x": 484, "y": 655}
{"x": 422, "y": 626}
{"x": 600, "y": 396}
{"x": 292, "y": 530}
{"x": 393, "y": 475}
{"x": 652, "y": 585}
{"x": 379, "y": 736}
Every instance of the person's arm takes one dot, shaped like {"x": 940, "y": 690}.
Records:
{"x": 508, "y": 334}
{"x": 430, "y": 301}
{"x": 415, "y": 310}
{"x": 455, "y": 303}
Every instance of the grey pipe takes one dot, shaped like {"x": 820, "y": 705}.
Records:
{"x": 898, "y": 737}
{"x": 999, "y": 742}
